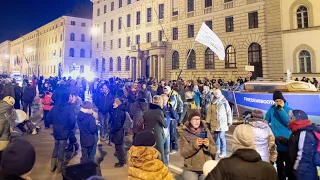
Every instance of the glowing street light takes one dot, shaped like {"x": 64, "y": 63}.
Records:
{"x": 6, "y": 56}
{"x": 94, "y": 31}
{"x": 29, "y": 50}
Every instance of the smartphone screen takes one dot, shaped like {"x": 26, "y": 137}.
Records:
{"x": 203, "y": 135}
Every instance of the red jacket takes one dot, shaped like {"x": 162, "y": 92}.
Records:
{"x": 47, "y": 101}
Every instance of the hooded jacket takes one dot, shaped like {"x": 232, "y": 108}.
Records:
{"x": 144, "y": 164}
{"x": 137, "y": 111}
{"x": 117, "y": 119}
{"x": 195, "y": 156}
{"x": 243, "y": 164}
{"x": 56, "y": 96}
{"x": 29, "y": 94}
{"x": 47, "y": 102}
{"x": 88, "y": 128}
{"x": 104, "y": 102}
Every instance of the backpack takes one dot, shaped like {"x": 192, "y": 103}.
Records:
{"x": 193, "y": 105}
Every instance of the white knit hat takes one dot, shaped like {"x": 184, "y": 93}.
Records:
{"x": 243, "y": 138}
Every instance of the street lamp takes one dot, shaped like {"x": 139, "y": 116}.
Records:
{"x": 94, "y": 31}
{"x": 29, "y": 50}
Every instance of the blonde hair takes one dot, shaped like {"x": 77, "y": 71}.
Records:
{"x": 158, "y": 100}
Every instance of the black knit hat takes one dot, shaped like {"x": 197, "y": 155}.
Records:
{"x": 18, "y": 158}
{"x": 278, "y": 95}
{"x": 144, "y": 138}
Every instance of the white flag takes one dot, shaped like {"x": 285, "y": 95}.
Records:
{"x": 208, "y": 38}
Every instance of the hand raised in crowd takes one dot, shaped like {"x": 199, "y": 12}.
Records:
{"x": 206, "y": 142}
{"x": 199, "y": 142}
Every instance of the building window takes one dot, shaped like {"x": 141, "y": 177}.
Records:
{"x": 148, "y": 37}
{"x": 191, "y": 60}
{"x": 253, "y": 20}
{"x": 138, "y": 17}
{"x": 209, "y": 24}
{"x": 129, "y": 2}
{"x": 105, "y": 9}
{"x": 120, "y": 23}
{"x": 111, "y": 44}
{"x": 226, "y": 1}
{"x": 83, "y": 38}
{"x": 104, "y": 27}
{"x": 160, "y": 35}
{"x": 209, "y": 59}
{"x": 60, "y": 53}
{"x": 230, "y": 61}
{"x": 190, "y": 30}
{"x": 73, "y": 23}
{"x": 97, "y": 65}
{"x": 128, "y": 41}
{"x": 112, "y": 6}
{"x": 71, "y": 52}
{"x": 111, "y": 64}
{"x": 111, "y": 25}
{"x": 149, "y": 15}
{"x": 305, "y": 61}
{"x": 119, "y": 64}
{"x": 83, "y": 24}
{"x": 127, "y": 63}
{"x": 81, "y": 69}
{"x": 103, "y": 65}
{"x": 175, "y": 60}
{"x": 128, "y": 20}
{"x": 229, "y": 24}
{"x": 254, "y": 53}
{"x": 207, "y": 3}
{"x": 302, "y": 17}
{"x": 104, "y": 45}
{"x": 82, "y": 53}
{"x": 97, "y": 45}
{"x": 120, "y": 3}
{"x": 175, "y": 34}
{"x": 119, "y": 43}
{"x": 137, "y": 39}
{"x": 161, "y": 11}
{"x": 72, "y": 37}
{"x": 190, "y": 5}
{"x": 98, "y": 12}
{"x": 61, "y": 37}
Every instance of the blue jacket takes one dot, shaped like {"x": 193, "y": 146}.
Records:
{"x": 279, "y": 121}
{"x": 197, "y": 97}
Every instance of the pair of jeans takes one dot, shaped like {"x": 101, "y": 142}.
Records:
{"x": 58, "y": 151}
{"x": 192, "y": 175}
{"x": 282, "y": 163}
{"x": 104, "y": 122}
{"x": 46, "y": 120}
{"x": 173, "y": 135}
{"x": 27, "y": 105}
{"x": 221, "y": 142}
{"x": 166, "y": 150}
{"x": 87, "y": 154}
{"x": 120, "y": 153}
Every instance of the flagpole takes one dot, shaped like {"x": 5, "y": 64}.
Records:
{"x": 194, "y": 42}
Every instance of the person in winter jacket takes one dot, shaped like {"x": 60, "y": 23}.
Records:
{"x": 63, "y": 121}
{"x": 117, "y": 118}
{"x": 143, "y": 159}
{"x": 137, "y": 111}
{"x": 18, "y": 96}
{"x": 59, "y": 91}
{"x": 160, "y": 87}
{"x": 188, "y": 104}
{"x": 219, "y": 117}
{"x": 155, "y": 121}
{"x": 5, "y": 127}
{"x": 168, "y": 113}
{"x": 245, "y": 162}
{"x": 206, "y": 99}
{"x": 28, "y": 96}
{"x": 196, "y": 146}
{"x": 197, "y": 95}
{"x": 264, "y": 139}
{"x": 104, "y": 101}
{"x": 73, "y": 89}
{"x": 11, "y": 113}
{"x": 8, "y": 89}
{"x": 88, "y": 132}
{"x": 278, "y": 118}
{"x": 303, "y": 147}
{"x": 147, "y": 93}
{"x": 47, "y": 106}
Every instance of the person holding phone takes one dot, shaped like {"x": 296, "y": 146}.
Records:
{"x": 196, "y": 146}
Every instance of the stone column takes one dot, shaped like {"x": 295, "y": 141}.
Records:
{"x": 163, "y": 67}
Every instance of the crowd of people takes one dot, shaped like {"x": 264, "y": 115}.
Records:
{"x": 186, "y": 117}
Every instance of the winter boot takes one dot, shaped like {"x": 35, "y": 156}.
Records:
{"x": 59, "y": 166}
{"x": 53, "y": 164}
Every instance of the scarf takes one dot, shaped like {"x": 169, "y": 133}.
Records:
{"x": 299, "y": 124}
{"x": 195, "y": 131}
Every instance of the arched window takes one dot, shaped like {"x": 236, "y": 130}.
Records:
{"x": 81, "y": 69}
{"x": 97, "y": 65}
{"x": 111, "y": 64}
{"x": 209, "y": 59}
{"x": 83, "y": 38}
{"x": 82, "y": 53}
{"x": 119, "y": 64}
{"x": 60, "y": 53}
{"x": 72, "y": 37}
{"x": 191, "y": 60}
{"x": 175, "y": 60}
{"x": 230, "y": 61}
{"x": 71, "y": 52}
{"x": 254, "y": 53}
{"x": 103, "y": 65}
{"x": 305, "y": 61}
{"x": 302, "y": 17}
{"x": 127, "y": 63}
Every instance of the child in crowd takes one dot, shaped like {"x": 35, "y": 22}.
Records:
{"x": 47, "y": 106}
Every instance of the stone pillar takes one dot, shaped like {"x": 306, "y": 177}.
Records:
{"x": 163, "y": 67}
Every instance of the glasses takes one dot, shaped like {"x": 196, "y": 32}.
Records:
{"x": 195, "y": 119}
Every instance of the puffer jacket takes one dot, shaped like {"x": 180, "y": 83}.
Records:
{"x": 137, "y": 111}
{"x": 195, "y": 156}
{"x": 205, "y": 103}
{"x": 88, "y": 128}
{"x": 104, "y": 102}
{"x": 144, "y": 164}
{"x": 29, "y": 94}
{"x": 47, "y": 102}
{"x": 4, "y": 122}
{"x": 264, "y": 140}
{"x": 219, "y": 115}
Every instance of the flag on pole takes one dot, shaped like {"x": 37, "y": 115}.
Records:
{"x": 208, "y": 38}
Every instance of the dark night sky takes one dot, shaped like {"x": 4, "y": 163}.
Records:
{"x": 18, "y": 17}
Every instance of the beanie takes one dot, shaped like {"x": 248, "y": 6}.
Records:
{"x": 18, "y": 158}
{"x": 298, "y": 115}
{"x": 194, "y": 112}
{"x": 87, "y": 105}
{"x": 144, "y": 138}
{"x": 257, "y": 113}
{"x": 10, "y": 100}
{"x": 278, "y": 95}
{"x": 243, "y": 137}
